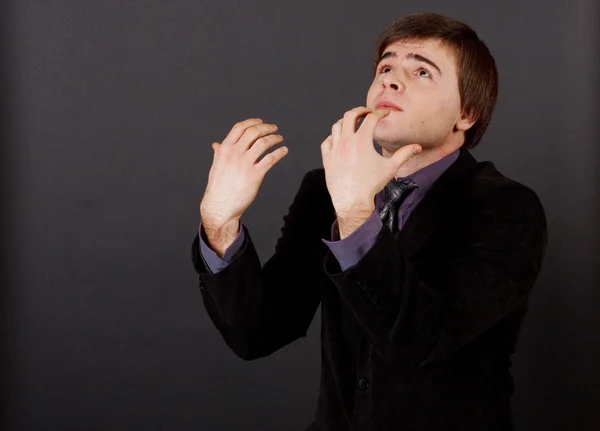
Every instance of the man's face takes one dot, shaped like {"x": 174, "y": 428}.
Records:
{"x": 420, "y": 78}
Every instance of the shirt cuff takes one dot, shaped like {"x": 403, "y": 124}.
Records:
{"x": 212, "y": 259}
{"x": 351, "y": 249}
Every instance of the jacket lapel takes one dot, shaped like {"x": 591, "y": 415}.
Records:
{"x": 432, "y": 211}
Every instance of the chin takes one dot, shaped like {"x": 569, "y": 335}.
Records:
{"x": 389, "y": 139}
{"x": 389, "y": 145}
{"x": 389, "y": 127}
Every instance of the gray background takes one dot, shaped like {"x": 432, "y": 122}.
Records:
{"x": 109, "y": 110}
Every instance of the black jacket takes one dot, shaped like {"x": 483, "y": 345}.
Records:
{"x": 418, "y": 334}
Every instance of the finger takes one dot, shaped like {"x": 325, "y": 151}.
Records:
{"x": 404, "y": 154}
{"x": 351, "y": 119}
{"x": 271, "y": 159}
{"x": 238, "y": 129}
{"x": 263, "y": 144}
{"x": 371, "y": 120}
{"x": 336, "y": 132}
{"x": 253, "y": 133}
{"x": 326, "y": 146}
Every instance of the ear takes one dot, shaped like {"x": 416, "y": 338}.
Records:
{"x": 465, "y": 122}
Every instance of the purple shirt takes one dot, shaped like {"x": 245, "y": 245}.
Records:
{"x": 351, "y": 249}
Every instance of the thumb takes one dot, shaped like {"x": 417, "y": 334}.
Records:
{"x": 216, "y": 147}
{"x": 401, "y": 156}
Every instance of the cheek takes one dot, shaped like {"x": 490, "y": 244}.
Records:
{"x": 371, "y": 93}
{"x": 441, "y": 111}
{"x": 449, "y": 111}
{"x": 451, "y": 105}
{"x": 448, "y": 105}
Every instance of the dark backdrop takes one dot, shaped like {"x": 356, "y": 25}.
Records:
{"x": 109, "y": 110}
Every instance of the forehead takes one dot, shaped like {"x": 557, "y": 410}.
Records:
{"x": 433, "y": 49}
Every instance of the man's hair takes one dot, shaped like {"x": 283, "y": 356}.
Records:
{"x": 476, "y": 68}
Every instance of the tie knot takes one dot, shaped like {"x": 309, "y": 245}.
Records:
{"x": 396, "y": 190}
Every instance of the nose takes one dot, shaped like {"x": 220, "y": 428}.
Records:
{"x": 392, "y": 82}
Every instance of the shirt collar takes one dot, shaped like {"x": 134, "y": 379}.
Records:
{"x": 426, "y": 176}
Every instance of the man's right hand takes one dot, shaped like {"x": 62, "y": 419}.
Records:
{"x": 235, "y": 177}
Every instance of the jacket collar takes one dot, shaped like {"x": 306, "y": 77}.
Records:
{"x": 438, "y": 204}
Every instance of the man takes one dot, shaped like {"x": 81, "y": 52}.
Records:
{"x": 423, "y": 281}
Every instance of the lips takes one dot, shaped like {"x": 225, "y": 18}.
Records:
{"x": 388, "y": 105}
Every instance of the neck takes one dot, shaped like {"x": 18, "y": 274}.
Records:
{"x": 425, "y": 158}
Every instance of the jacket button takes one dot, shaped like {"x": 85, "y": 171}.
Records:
{"x": 363, "y": 383}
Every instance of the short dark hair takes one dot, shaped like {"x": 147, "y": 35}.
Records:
{"x": 477, "y": 73}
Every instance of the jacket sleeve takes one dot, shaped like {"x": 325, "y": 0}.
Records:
{"x": 489, "y": 267}
{"x": 259, "y": 309}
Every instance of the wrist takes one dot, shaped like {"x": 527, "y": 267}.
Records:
{"x": 355, "y": 210}
{"x": 220, "y": 235}
{"x": 350, "y": 221}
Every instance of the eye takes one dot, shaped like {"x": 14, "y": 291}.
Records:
{"x": 384, "y": 68}
{"x": 424, "y": 73}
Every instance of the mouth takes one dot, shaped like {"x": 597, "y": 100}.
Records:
{"x": 388, "y": 105}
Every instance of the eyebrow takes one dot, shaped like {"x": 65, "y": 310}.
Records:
{"x": 411, "y": 56}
